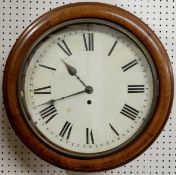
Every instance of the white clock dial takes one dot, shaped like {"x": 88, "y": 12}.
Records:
{"x": 88, "y": 88}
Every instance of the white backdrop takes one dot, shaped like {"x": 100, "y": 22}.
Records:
{"x": 15, "y": 158}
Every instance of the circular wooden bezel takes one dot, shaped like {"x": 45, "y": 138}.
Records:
{"x": 77, "y": 11}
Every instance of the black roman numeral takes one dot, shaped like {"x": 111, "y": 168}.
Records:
{"x": 129, "y": 112}
{"x": 113, "y": 129}
{"x": 136, "y": 89}
{"x": 47, "y": 67}
{"x": 43, "y": 90}
{"x": 48, "y": 113}
{"x": 89, "y": 41}
{"x": 89, "y": 136}
{"x": 113, "y": 46}
{"x": 129, "y": 65}
{"x": 63, "y": 45}
{"x": 66, "y": 130}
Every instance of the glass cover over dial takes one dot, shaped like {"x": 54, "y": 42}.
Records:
{"x": 88, "y": 88}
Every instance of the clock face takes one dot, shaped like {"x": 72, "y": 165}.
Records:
{"x": 88, "y": 88}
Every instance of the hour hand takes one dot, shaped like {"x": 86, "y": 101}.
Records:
{"x": 72, "y": 71}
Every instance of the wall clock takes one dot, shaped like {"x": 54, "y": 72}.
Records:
{"x": 88, "y": 87}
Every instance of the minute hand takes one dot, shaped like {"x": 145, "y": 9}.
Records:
{"x": 53, "y": 100}
{"x": 72, "y": 71}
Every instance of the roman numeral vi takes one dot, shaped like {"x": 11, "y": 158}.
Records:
{"x": 89, "y": 136}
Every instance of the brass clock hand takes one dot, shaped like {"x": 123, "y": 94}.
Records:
{"x": 72, "y": 71}
{"x": 87, "y": 90}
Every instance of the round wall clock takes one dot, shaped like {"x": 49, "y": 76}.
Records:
{"x": 88, "y": 87}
